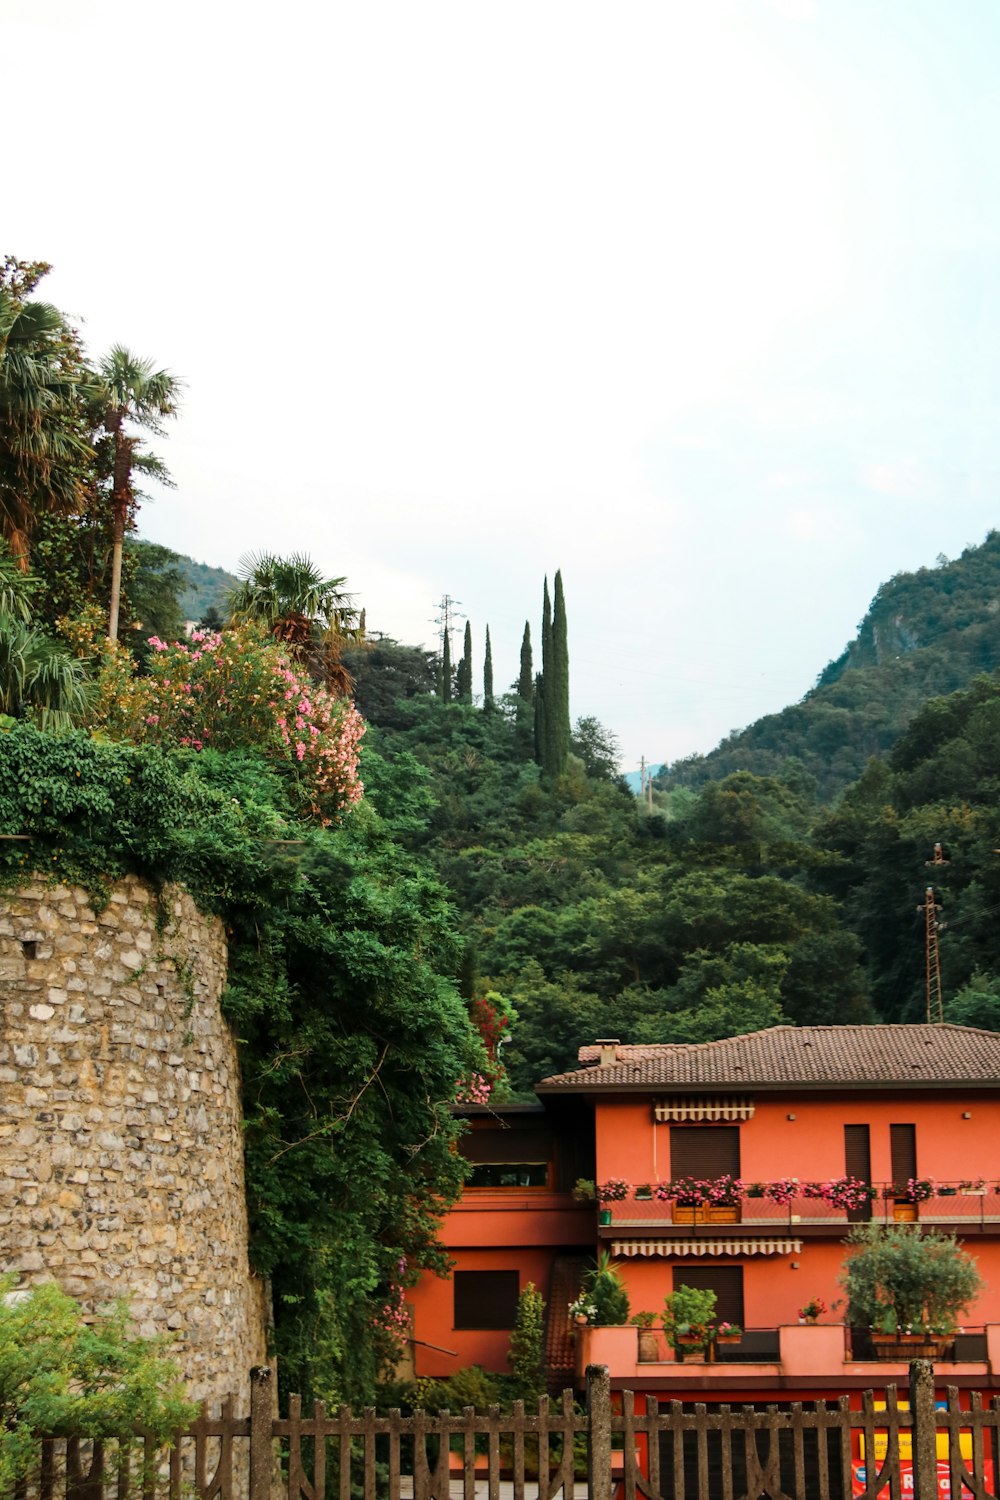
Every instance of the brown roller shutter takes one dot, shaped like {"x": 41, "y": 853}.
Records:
{"x": 705, "y": 1151}
{"x": 725, "y": 1281}
{"x": 858, "y": 1163}
{"x": 903, "y": 1152}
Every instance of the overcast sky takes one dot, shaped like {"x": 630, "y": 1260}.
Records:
{"x": 697, "y": 300}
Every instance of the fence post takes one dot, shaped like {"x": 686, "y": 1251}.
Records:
{"x": 261, "y": 1445}
{"x": 598, "y": 1432}
{"x": 925, "y": 1485}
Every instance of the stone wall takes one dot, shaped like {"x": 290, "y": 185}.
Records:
{"x": 121, "y": 1160}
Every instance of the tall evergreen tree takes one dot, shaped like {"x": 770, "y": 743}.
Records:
{"x": 444, "y": 676}
{"x": 488, "y": 673}
{"x": 557, "y": 685}
{"x": 542, "y": 682}
{"x": 526, "y": 678}
{"x": 463, "y": 680}
{"x": 540, "y": 719}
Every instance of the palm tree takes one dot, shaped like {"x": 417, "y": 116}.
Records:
{"x": 39, "y": 679}
{"x": 310, "y": 613}
{"x": 133, "y": 392}
{"x": 44, "y": 440}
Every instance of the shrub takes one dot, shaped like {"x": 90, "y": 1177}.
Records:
{"x": 526, "y": 1341}
{"x": 60, "y": 1376}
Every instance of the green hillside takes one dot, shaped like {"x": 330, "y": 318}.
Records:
{"x": 925, "y": 633}
{"x": 203, "y": 587}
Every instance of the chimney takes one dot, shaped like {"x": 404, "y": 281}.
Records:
{"x": 609, "y": 1051}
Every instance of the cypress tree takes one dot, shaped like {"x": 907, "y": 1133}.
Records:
{"x": 526, "y": 679}
{"x": 488, "y": 673}
{"x": 444, "y": 678}
{"x": 540, "y": 720}
{"x": 557, "y": 685}
{"x": 464, "y": 675}
{"x": 543, "y": 748}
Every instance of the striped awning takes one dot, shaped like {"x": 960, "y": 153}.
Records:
{"x": 647, "y": 1247}
{"x": 711, "y": 1110}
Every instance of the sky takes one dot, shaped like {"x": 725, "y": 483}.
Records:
{"x": 695, "y": 300}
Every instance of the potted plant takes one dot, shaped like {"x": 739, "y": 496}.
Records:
{"x": 604, "y": 1298}
{"x": 977, "y": 1187}
{"x": 847, "y": 1193}
{"x": 724, "y": 1195}
{"x": 643, "y": 1192}
{"x": 689, "y": 1319}
{"x": 908, "y": 1287}
{"x": 812, "y": 1311}
{"x": 615, "y": 1190}
{"x": 755, "y": 1190}
{"x": 583, "y": 1310}
{"x": 649, "y": 1344}
{"x": 585, "y": 1190}
{"x": 728, "y": 1333}
{"x": 783, "y": 1191}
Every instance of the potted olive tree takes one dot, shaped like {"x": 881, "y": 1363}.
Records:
{"x": 908, "y": 1287}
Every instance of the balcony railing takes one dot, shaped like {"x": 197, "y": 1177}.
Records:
{"x": 946, "y": 1204}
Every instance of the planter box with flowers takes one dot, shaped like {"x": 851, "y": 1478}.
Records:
{"x": 906, "y": 1195}
{"x": 698, "y": 1200}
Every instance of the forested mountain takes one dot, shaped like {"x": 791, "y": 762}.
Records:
{"x": 204, "y": 588}
{"x": 925, "y": 633}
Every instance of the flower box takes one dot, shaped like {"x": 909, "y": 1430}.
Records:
{"x": 706, "y": 1213}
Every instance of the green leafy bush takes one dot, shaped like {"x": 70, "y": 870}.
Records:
{"x": 60, "y": 1375}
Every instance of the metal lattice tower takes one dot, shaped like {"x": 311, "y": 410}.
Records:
{"x": 931, "y": 909}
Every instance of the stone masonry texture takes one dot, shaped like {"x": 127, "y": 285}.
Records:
{"x": 121, "y": 1159}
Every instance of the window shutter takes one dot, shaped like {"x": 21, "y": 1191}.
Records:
{"x": 725, "y": 1281}
{"x": 903, "y": 1152}
{"x": 858, "y": 1163}
{"x": 486, "y": 1299}
{"x": 705, "y": 1151}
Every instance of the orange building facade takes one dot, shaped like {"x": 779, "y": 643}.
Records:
{"x": 778, "y": 1121}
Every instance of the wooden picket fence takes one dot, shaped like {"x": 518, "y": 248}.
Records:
{"x": 667, "y": 1451}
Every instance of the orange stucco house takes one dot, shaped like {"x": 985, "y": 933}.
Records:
{"x": 789, "y": 1114}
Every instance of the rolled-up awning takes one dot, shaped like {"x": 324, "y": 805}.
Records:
{"x": 684, "y": 1110}
{"x": 647, "y": 1247}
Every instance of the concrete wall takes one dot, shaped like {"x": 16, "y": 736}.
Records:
{"x": 121, "y": 1159}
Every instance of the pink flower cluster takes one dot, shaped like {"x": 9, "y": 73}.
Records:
{"x": 473, "y": 1089}
{"x": 243, "y": 689}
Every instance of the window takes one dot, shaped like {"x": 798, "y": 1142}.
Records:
{"x": 705, "y": 1151}
{"x": 486, "y": 1299}
{"x": 507, "y": 1158}
{"x": 903, "y": 1152}
{"x": 725, "y": 1281}
{"x": 509, "y": 1174}
{"x": 858, "y": 1163}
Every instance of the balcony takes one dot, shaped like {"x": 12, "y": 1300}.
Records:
{"x": 813, "y": 1355}
{"x": 804, "y": 1210}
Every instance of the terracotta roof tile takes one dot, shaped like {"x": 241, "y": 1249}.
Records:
{"x": 821, "y": 1056}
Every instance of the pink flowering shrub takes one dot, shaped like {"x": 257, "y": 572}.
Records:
{"x": 238, "y": 690}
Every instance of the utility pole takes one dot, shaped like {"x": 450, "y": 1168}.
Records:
{"x": 932, "y": 955}
{"x": 445, "y": 620}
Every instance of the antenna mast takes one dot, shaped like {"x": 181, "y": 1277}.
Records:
{"x": 932, "y": 909}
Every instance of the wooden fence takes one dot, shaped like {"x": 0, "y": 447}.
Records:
{"x": 824, "y": 1451}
